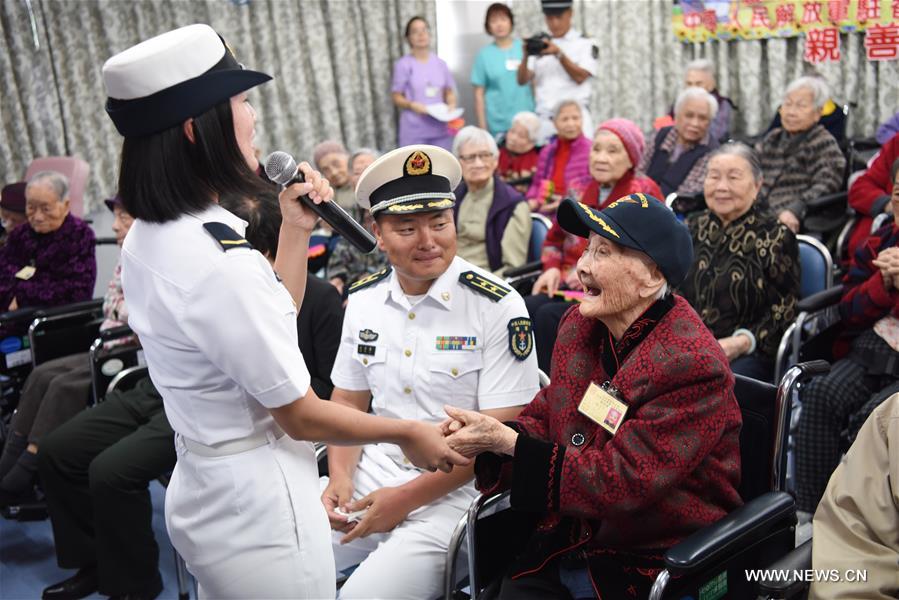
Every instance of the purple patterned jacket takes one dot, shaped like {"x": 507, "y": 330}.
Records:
{"x": 64, "y": 262}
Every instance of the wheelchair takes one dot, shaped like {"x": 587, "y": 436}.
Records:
{"x": 716, "y": 556}
{"x": 522, "y": 278}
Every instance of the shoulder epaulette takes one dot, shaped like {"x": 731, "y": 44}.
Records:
{"x": 368, "y": 280}
{"x": 484, "y": 286}
{"x": 227, "y": 238}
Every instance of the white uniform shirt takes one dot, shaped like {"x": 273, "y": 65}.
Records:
{"x": 218, "y": 329}
{"x": 453, "y": 346}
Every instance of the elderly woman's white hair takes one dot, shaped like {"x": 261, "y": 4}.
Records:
{"x": 58, "y": 182}
{"x": 819, "y": 88}
{"x": 563, "y": 103}
{"x": 474, "y": 135}
{"x": 701, "y": 64}
{"x": 696, "y": 93}
{"x": 373, "y": 152}
{"x": 530, "y": 121}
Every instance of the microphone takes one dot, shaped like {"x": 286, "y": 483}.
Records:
{"x": 281, "y": 168}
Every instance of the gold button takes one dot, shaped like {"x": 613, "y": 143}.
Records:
{"x": 364, "y": 361}
{"x": 407, "y": 390}
{"x": 411, "y": 316}
{"x": 408, "y": 353}
{"x": 445, "y": 296}
{"x": 454, "y": 372}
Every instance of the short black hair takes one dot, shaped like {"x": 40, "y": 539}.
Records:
{"x": 164, "y": 175}
{"x": 262, "y": 213}
{"x": 497, "y": 7}
{"x": 414, "y": 19}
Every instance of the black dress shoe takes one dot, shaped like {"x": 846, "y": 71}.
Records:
{"x": 81, "y": 584}
{"x": 146, "y": 594}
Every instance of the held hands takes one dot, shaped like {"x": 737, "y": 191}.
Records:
{"x": 427, "y": 448}
{"x": 471, "y": 433}
{"x": 888, "y": 263}
{"x": 318, "y": 189}
{"x": 548, "y": 282}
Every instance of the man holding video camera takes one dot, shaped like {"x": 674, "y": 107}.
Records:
{"x": 561, "y": 64}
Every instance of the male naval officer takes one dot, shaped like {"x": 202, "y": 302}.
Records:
{"x": 430, "y": 329}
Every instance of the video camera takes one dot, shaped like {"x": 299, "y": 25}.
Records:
{"x": 536, "y": 44}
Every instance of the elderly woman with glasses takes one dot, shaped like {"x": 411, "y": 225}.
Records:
{"x": 801, "y": 161}
{"x": 493, "y": 221}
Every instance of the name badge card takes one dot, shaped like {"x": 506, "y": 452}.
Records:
{"x": 26, "y": 273}
{"x": 602, "y": 408}
{"x": 512, "y": 64}
{"x": 431, "y": 91}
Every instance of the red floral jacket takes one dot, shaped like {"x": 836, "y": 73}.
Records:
{"x": 672, "y": 467}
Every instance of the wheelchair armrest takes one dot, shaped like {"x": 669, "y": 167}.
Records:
{"x": 520, "y": 181}
{"x": 531, "y": 267}
{"x": 821, "y": 299}
{"x": 74, "y": 308}
{"x": 865, "y": 144}
{"x": 740, "y": 529}
{"x": 791, "y": 564}
{"x": 20, "y": 314}
{"x": 115, "y": 333}
{"x": 827, "y": 201}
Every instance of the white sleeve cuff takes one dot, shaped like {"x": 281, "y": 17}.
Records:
{"x": 747, "y": 333}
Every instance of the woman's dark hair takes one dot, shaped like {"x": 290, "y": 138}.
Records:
{"x": 165, "y": 175}
{"x": 262, "y": 213}
{"x": 412, "y": 20}
{"x": 497, "y": 8}
{"x": 893, "y": 170}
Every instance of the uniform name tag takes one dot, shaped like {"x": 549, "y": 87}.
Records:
{"x": 366, "y": 349}
{"x": 431, "y": 91}
{"x": 26, "y": 273}
{"x": 602, "y": 408}
{"x": 512, "y": 64}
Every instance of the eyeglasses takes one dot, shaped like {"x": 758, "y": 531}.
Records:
{"x": 484, "y": 156}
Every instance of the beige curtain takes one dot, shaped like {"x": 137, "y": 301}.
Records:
{"x": 332, "y": 62}
{"x": 641, "y": 63}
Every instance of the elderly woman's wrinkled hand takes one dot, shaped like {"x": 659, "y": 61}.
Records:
{"x": 790, "y": 220}
{"x": 888, "y": 263}
{"x": 471, "y": 433}
{"x": 318, "y": 189}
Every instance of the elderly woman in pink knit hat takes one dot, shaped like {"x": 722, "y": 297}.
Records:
{"x": 616, "y": 151}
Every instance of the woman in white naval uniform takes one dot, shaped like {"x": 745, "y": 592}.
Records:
{"x": 218, "y": 326}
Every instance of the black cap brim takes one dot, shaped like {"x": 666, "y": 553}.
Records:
{"x": 172, "y": 106}
{"x": 579, "y": 219}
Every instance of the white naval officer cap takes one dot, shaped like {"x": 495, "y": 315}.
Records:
{"x": 161, "y": 82}
{"x": 411, "y": 179}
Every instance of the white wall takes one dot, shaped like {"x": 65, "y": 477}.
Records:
{"x": 460, "y": 35}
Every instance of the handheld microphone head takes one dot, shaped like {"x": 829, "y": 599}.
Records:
{"x": 280, "y": 167}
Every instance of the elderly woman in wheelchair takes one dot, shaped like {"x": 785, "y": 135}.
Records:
{"x": 744, "y": 281}
{"x": 867, "y": 375}
{"x": 56, "y": 390}
{"x": 635, "y": 443}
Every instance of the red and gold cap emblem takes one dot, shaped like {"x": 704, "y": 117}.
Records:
{"x": 418, "y": 163}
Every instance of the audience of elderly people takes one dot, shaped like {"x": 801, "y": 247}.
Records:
{"x": 563, "y": 163}
{"x": 676, "y": 157}
{"x": 56, "y": 390}
{"x": 613, "y": 487}
{"x": 869, "y": 194}
{"x": 346, "y": 263}
{"x": 51, "y": 261}
{"x": 333, "y": 160}
{"x": 801, "y": 161}
{"x": 745, "y": 276}
{"x": 617, "y": 148}
{"x": 865, "y": 376}
{"x": 493, "y": 221}
{"x": 12, "y": 209}
{"x": 518, "y": 153}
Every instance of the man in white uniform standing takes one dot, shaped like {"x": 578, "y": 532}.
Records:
{"x": 563, "y": 70}
{"x": 431, "y": 329}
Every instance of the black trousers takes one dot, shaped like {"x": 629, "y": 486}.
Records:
{"x": 96, "y": 470}
{"x": 546, "y": 313}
